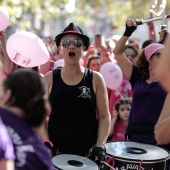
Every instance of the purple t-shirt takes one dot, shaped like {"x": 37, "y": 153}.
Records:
{"x": 6, "y": 146}
{"x": 30, "y": 152}
{"x": 148, "y": 100}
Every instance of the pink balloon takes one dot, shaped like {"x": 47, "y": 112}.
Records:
{"x": 112, "y": 75}
{"x": 4, "y": 18}
{"x": 27, "y": 49}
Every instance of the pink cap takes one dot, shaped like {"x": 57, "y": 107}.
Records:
{"x": 151, "y": 49}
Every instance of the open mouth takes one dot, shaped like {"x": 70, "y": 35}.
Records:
{"x": 71, "y": 54}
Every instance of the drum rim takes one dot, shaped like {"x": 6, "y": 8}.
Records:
{"x": 160, "y": 160}
{"x": 138, "y": 160}
{"x": 82, "y": 157}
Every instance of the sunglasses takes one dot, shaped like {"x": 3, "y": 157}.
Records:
{"x": 130, "y": 55}
{"x": 76, "y": 43}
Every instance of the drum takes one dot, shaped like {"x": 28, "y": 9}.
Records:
{"x": 126, "y": 155}
{"x": 73, "y": 162}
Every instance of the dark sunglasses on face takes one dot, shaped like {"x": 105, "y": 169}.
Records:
{"x": 131, "y": 55}
{"x": 76, "y": 43}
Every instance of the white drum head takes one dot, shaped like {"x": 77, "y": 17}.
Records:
{"x": 135, "y": 151}
{"x": 73, "y": 162}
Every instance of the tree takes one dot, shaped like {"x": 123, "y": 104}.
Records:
{"x": 23, "y": 13}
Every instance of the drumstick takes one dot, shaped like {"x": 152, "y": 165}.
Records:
{"x": 108, "y": 165}
{"x": 150, "y": 20}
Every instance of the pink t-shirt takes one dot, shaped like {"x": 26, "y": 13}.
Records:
{"x": 119, "y": 131}
{"x": 125, "y": 88}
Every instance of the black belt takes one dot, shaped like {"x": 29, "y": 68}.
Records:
{"x": 140, "y": 129}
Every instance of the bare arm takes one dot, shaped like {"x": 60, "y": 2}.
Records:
{"x": 8, "y": 63}
{"x": 162, "y": 130}
{"x": 49, "y": 80}
{"x": 118, "y": 51}
{"x": 113, "y": 121}
{"x": 102, "y": 108}
{"x": 44, "y": 68}
{"x": 163, "y": 69}
{"x": 6, "y": 164}
{"x": 151, "y": 27}
{"x": 42, "y": 130}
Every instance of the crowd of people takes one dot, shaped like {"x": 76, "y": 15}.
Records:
{"x": 68, "y": 109}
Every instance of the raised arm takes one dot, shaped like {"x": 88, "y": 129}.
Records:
{"x": 8, "y": 63}
{"x": 118, "y": 51}
{"x": 163, "y": 69}
{"x": 151, "y": 29}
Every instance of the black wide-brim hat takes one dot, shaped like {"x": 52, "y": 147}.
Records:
{"x": 73, "y": 29}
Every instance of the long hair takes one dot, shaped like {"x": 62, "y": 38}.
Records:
{"x": 142, "y": 65}
{"x": 28, "y": 93}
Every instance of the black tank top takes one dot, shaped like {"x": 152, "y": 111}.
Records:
{"x": 73, "y": 124}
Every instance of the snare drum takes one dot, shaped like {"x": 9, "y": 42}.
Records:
{"x": 137, "y": 156}
{"x": 73, "y": 162}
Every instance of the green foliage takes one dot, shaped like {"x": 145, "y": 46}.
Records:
{"x": 119, "y": 10}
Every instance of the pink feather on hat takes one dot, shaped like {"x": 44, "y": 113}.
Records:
{"x": 151, "y": 49}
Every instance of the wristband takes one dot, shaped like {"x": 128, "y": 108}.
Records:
{"x": 129, "y": 30}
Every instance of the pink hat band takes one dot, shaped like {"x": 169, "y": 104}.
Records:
{"x": 151, "y": 49}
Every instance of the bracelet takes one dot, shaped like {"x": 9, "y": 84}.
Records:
{"x": 48, "y": 141}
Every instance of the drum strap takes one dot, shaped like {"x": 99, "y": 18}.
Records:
{"x": 140, "y": 129}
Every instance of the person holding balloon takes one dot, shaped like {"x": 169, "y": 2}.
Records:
{"x": 148, "y": 95}
{"x": 8, "y": 65}
{"x": 76, "y": 95}
{"x": 29, "y": 52}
